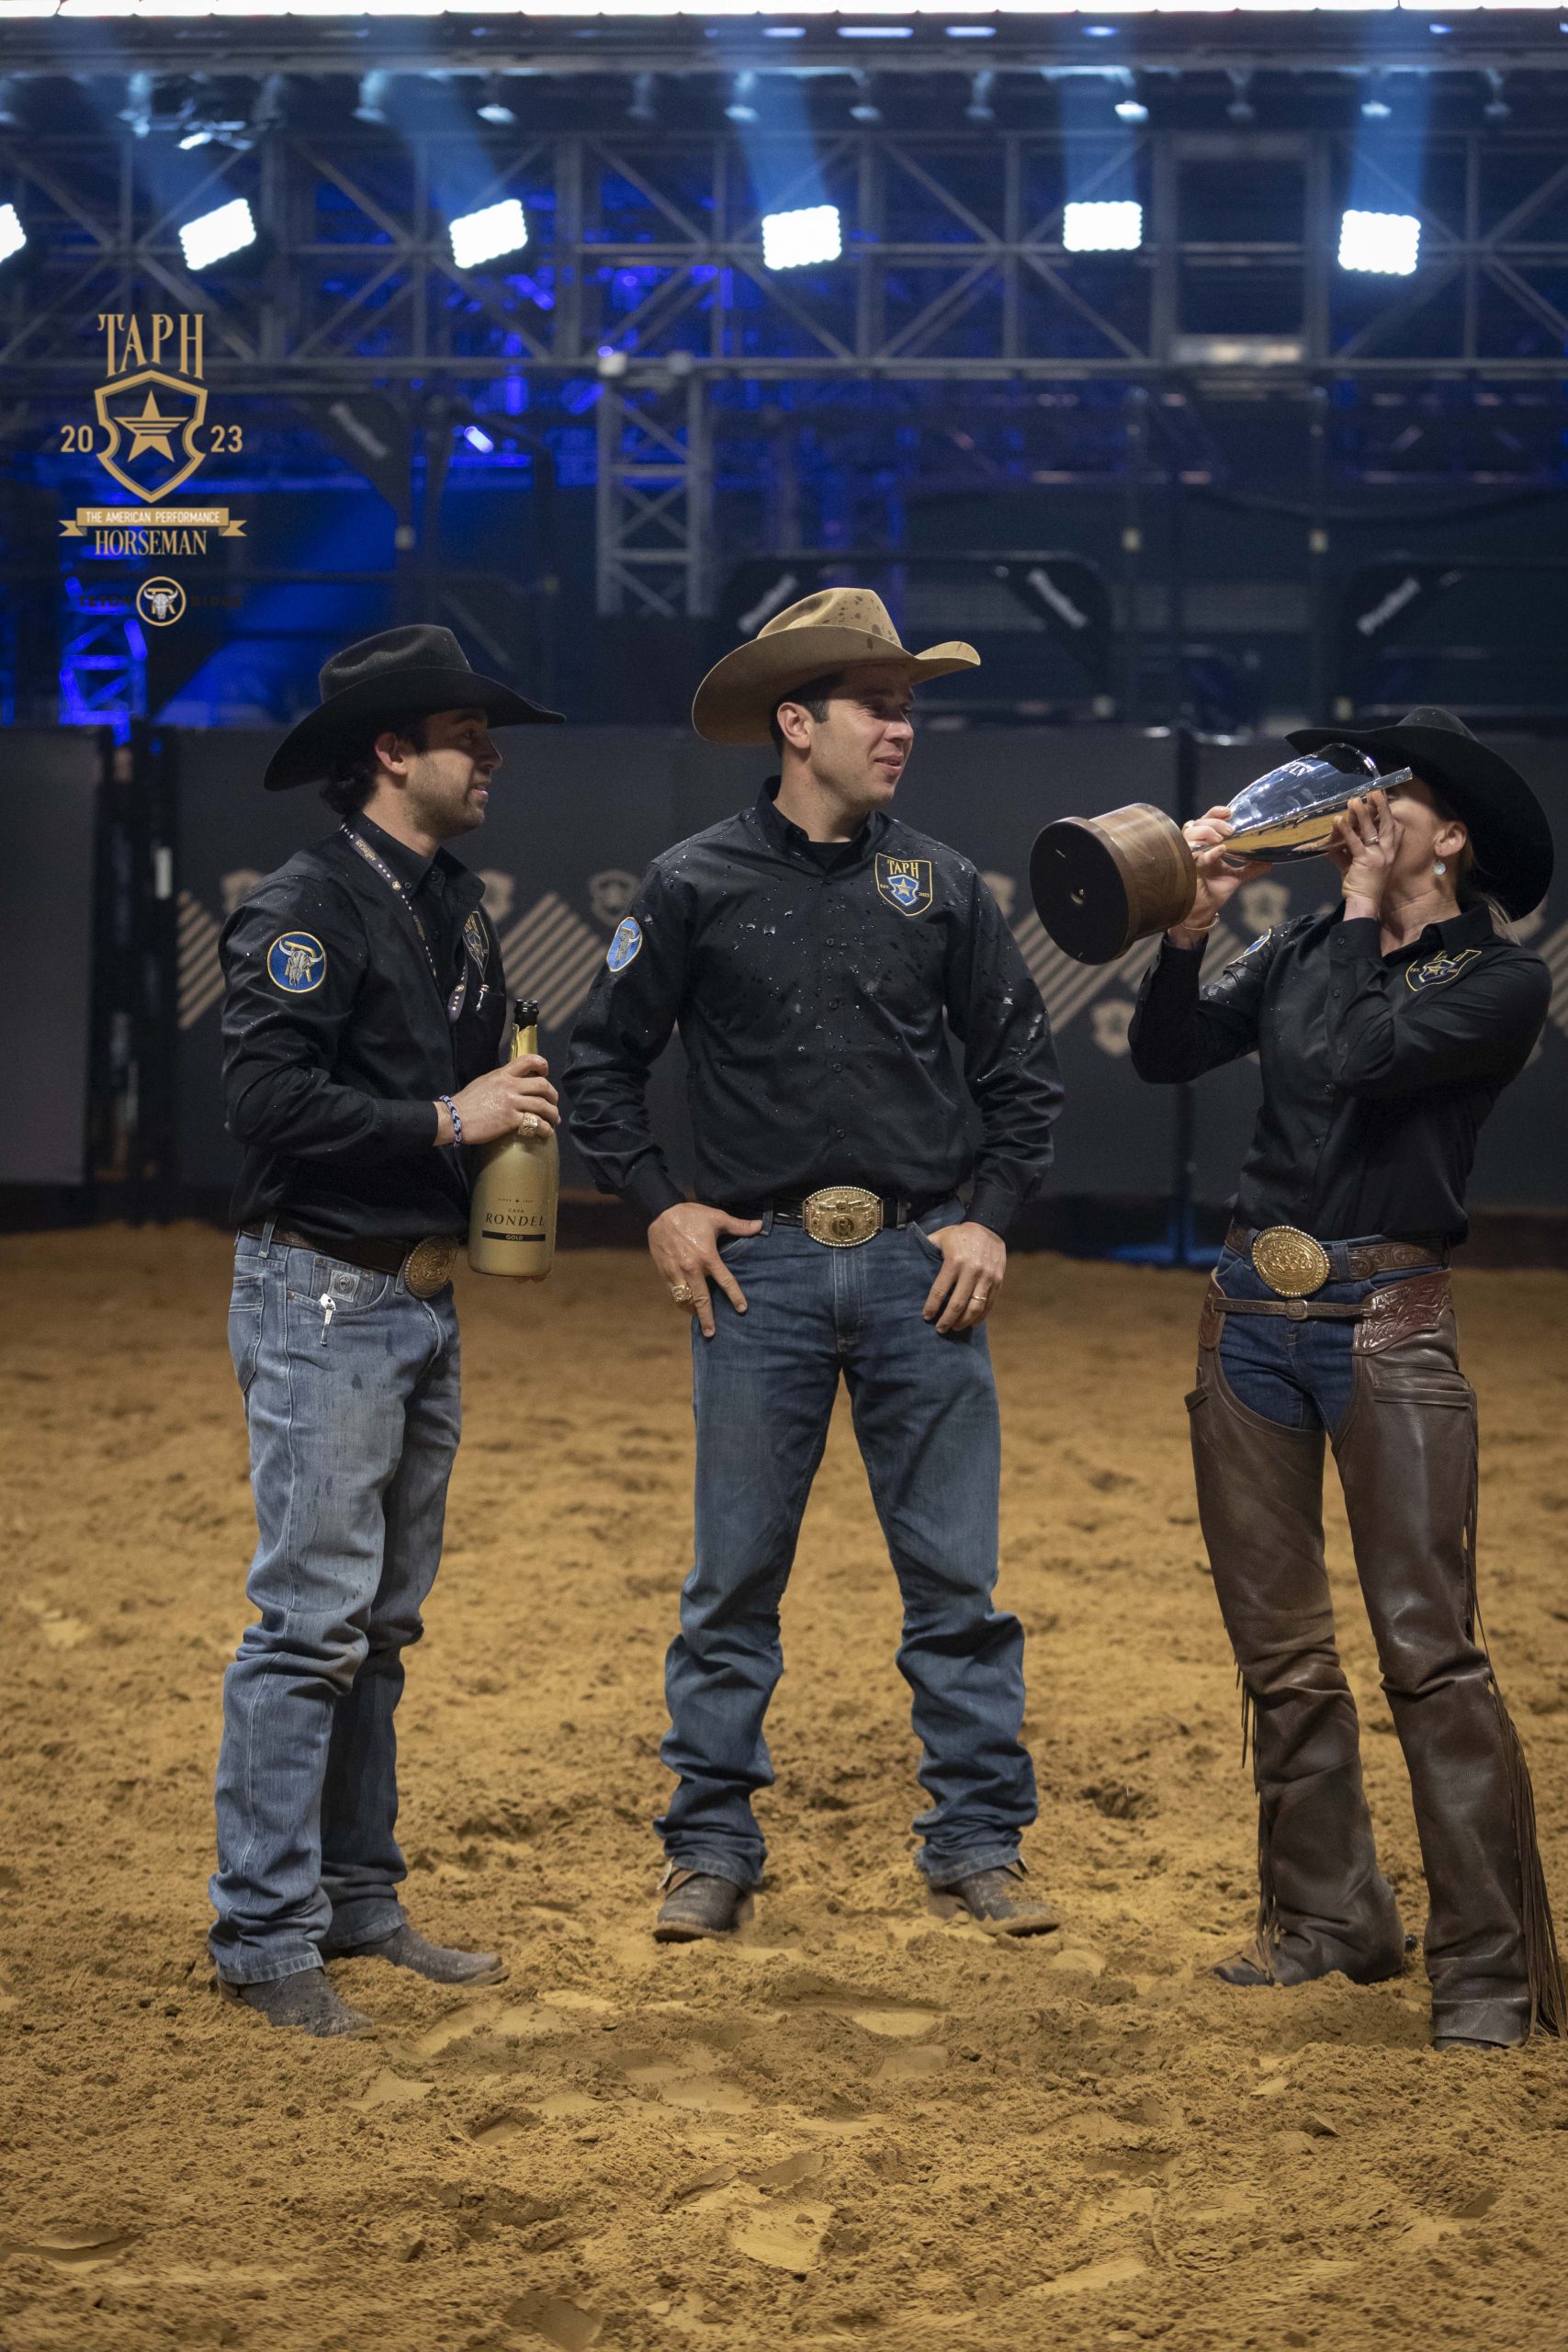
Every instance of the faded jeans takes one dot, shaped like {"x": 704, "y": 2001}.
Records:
{"x": 925, "y": 1417}
{"x": 351, "y": 1389}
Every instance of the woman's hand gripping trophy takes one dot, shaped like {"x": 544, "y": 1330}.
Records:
{"x": 1218, "y": 881}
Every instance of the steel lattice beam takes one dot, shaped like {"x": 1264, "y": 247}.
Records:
{"x": 649, "y": 245}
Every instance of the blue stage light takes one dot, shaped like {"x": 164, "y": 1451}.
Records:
{"x": 479, "y": 237}
{"x": 1113, "y": 228}
{"x": 212, "y": 236}
{"x": 1384, "y": 244}
{"x": 794, "y": 239}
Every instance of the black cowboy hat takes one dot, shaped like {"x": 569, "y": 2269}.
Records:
{"x": 401, "y": 673}
{"x": 1507, "y": 826}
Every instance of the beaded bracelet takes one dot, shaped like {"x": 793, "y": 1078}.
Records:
{"x": 456, "y": 1122}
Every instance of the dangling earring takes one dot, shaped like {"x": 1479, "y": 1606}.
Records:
{"x": 1439, "y": 867}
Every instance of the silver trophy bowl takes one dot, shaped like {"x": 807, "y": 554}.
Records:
{"x": 1290, "y": 812}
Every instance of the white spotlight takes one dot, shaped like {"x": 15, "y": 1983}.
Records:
{"x": 479, "y": 237}
{"x": 1114, "y": 228}
{"x": 1385, "y": 244}
{"x": 476, "y": 439}
{"x": 1131, "y": 110}
{"x": 792, "y": 240}
{"x": 13, "y": 236}
{"x": 214, "y": 235}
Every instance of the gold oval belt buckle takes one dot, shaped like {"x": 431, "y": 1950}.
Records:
{"x": 841, "y": 1215}
{"x": 428, "y": 1266}
{"x": 1290, "y": 1261}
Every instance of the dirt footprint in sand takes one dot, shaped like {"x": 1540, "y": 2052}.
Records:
{"x": 691, "y": 2084}
{"x": 71, "y": 2246}
{"x": 557, "y": 2320}
{"x": 788, "y": 2238}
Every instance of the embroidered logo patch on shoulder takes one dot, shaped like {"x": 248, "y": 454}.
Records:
{"x": 296, "y": 963}
{"x": 905, "y": 882}
{"x": 625, "y": 944}
{"x": 1437, "y": 969}
{"x": 1238, "y": 961}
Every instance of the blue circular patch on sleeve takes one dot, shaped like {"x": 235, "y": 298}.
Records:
{"x": 296, "y": 963}
{"x": 625, "y": 944}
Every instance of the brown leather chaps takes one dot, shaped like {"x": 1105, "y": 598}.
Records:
{"x": 1406, "y": 1454}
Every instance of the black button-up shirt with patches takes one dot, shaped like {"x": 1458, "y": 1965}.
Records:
{"x": 815, "y": 993}
{"x": 1378, "y": 1070}
{"x": 337, "y": 1040}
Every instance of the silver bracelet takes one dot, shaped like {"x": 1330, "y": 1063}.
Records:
{"x": 456, "y": 1122}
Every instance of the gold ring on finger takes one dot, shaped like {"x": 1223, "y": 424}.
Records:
{"x": 683, "y": 1293}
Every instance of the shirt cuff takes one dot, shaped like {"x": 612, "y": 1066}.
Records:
{"x": 992, "y": 1204}
{"x": 652, "y": 1190}
{"x": 1357, "y": 941}
{"x": 408, "y": 1126}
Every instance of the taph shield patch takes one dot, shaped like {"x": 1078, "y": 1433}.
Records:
{"x": 1438, "y": 968}
{"x": 905, "y": 882}
{"x": 153, "y": 417}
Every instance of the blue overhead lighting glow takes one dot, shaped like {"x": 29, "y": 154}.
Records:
{"x": 1381, "y": 229}
{"x": 212, "y": 236}
{"x": 1384, "y": 244}
{"x": 784, "y": 32}
{"x": 876, "y": 32}
{"x": 476, "y": 439}
{"x": 794, "y": 239}
{"x": 971, "y": 33}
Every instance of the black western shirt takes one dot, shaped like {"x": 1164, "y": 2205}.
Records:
{"x": 1378, "y": 1070}
{"x": 814, "y": 993}
{"x": 337, "y": 1040}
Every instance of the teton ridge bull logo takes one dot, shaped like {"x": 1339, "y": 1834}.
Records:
{"x": 905, "y": 882}
{"x": 297, "y": 962}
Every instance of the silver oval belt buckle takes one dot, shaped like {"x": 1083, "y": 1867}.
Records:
{"x": 428, "y": 1266}
{"x": 1292, "y": 1263}
{"x": 841, "y": 1215}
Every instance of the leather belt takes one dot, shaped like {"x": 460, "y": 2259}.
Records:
{"x": 1347, "y": 1261}
{"x": 425, "y": 1263}
{"x": 1299, "y": 1309}
{"x": 839, "y": 1215}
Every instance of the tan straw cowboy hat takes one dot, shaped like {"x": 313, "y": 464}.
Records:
{"x": 829, "y": 631}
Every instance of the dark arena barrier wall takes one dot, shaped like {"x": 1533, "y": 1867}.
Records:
{"x": 578, "y": 814}
{"x": 51, "y": 784}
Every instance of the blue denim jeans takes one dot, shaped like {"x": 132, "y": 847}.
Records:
{"x": 1299, "y": 1374}
{"x": 925, "y": 1417}
{"x": 351, "y": 1389}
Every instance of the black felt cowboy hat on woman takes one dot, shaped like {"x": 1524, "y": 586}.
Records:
{"x": 1507, "y": 826}
{"x": 401, "y": 673}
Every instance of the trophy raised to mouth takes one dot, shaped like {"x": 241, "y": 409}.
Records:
{"x": 1100, "y": 884}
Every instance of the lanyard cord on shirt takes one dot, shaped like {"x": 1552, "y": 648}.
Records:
{"x": 456, "y": 1001}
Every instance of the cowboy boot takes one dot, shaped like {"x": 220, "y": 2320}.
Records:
{"x": 1323, "y": 1902}
{"x": 1407, "y": 1461}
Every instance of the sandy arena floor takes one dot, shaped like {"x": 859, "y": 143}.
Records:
{"x": 862, "y": 2125}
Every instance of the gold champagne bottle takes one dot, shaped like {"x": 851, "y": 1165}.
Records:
{"x": 512, "y": 1225}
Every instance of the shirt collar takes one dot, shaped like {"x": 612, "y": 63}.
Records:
{"x": 783, "y": 834}
{"x": 1469, "y": 928}
{"x": 406, "y": 863}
